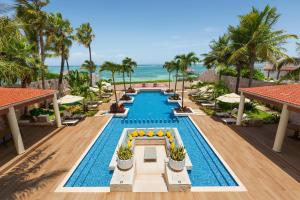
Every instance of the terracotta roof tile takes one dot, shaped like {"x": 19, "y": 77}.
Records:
{"x": 289, "y": 94}
{"x": 13, "y": 96}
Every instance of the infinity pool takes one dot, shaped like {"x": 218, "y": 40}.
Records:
{"x": 149, "y": 110}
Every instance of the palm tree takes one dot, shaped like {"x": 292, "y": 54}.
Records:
{"x": 185, "y": 61}
{"x": 90, "y": 66}
{"x": 170, "y": 68}
{"x": 217, "y": 58}
{"x": 60, "y": 39}
{"x": 257, "y": 39}
{"x": 35, "y": 22}
{"x": 130, "y": 65}
{"x": 85, "y": 37}
{"x": 175, "y": 65}
{"x": 113, "y": 68}
{"x": 124, "y": 69}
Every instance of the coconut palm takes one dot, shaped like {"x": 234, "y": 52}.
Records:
{"x": 85, "y": 37}
{"x": 169, "y": 66}
{"x": 113, "y": 68}
{"x": 35, "y": 22}
{"x": 217, "y": 58}
{"x": 90, "y": 66}
{"x": 130, "y": 65}
{"x": 176, "y": 67}
{"x": 185, "y": 61}
{"x": 59, "y": 39}
{"x": 257, "y": 39}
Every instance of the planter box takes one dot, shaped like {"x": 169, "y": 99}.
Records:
{"x": 132, "y": 94}
{"x": 122, "y": 114}
{"x": 168, "y": 93}
{"x": 176, "y": 165}
{"x": 182, "y": 114}
{"x": 128, "y": 101}
{"x": 174, "y": 101}
{"x": 125, "y": 164}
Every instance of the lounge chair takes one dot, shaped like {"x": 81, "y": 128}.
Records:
{"x": 70, "y": 122}
{"x": 222, "y": 114}
{"x": 232, "y": 120}
{"x": 208, "y": 104}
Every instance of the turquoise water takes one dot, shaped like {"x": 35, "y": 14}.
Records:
{"x": 142, "y": 72}
{"x": 150, "y": 109}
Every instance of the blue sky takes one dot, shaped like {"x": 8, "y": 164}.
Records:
{"x": 154, "y": 31}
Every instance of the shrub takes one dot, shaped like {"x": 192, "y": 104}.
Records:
{"x": 141, "y": 133}
{"x": 160, "y": 133}
{"x": 150, "y": 134}
{"x": 125, "y": 97}
{"x": 178, "y": 153}
{"x": 114, "y": 108}
{"x": 131, "y": 90}
{"x": 73, "y": 109}
{"x": 174, "y": 97}
{"x": 124, "y": 153}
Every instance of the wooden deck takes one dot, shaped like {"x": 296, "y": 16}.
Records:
{"x": 38, "y": 174}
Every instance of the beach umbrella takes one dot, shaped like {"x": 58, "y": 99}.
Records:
{"x": 70, "y": 99}
{"x": 231, "y": 98}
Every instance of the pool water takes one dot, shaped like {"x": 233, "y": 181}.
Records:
{"x": 150, "y": 110}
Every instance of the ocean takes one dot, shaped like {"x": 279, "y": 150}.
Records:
{"x": 141, "y": 73}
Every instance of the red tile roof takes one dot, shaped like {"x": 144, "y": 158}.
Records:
{"x": 16, "y": 96}
{"x": 289, "y": 94}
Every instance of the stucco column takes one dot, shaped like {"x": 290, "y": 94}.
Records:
{"x": 15, "y": 131}
{"x": 241, "y": 110}
{"x": 281, "y": 130}
{"x": 56, "y": 111}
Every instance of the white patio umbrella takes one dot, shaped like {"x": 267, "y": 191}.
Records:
{"x": 69, "y": 99}
{"x": 231, "y": 98}
{"x": 94, "y": 89}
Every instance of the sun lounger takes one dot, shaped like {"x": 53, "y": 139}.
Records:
{"x": 70, "y": 122}
{"x": 222, "y": 114}
{"x": 208, "y": 104}
{"x": 150, "y": 154}
{"x": 229, "y": 120}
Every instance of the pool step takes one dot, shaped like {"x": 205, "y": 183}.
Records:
{"x": 150, "y": 183}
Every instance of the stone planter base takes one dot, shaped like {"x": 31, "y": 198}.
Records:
{"x": 124, "y": 114}
{"x": 182, "y": 114}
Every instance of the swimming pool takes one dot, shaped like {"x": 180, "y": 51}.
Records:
{"x": 150, "y": 110}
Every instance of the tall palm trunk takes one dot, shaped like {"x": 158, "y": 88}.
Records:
{"x": 169, "y": 81}
{"x": 68, "y": 67}
{"x": 238, "y": 77}
{"x": 124, "y": 84}
{"x": 182, "y": 92}
{"x": 278, "y": 74}
{"x": 62, "y": 66}
{"x": 115, "y": 91}
{"x": 130, "y": 79}
{"x": 91, "y": 75}
{"x": 251, "y": 66}
{"x": 42, "y": 52}
{"x": 176, "y": 82}
{"x": 268, "y": 73}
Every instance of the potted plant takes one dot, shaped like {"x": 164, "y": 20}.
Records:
{"x": 125, "y": 158}
{"x": 177, "y": 158}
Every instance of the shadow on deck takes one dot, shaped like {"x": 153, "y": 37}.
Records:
{"x": 262, "y": 138}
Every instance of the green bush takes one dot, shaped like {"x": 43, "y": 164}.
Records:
{"x": 245, "y": 73}
{"x": 124, "y": 153}
{"x": 50, "y": 75}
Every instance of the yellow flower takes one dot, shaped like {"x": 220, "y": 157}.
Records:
{"x": 171, "y": 139}
{"x": 169, "y": 134}
{"x": 160, "y": 133}
{"x": 141, "y": 133}
{"x": 172, "y": 146}
{"x": 130, "y": 137}
{"x": 129, "y": 144}
{"x": 134, "y": 134}
{"x": 150, "y": 134}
